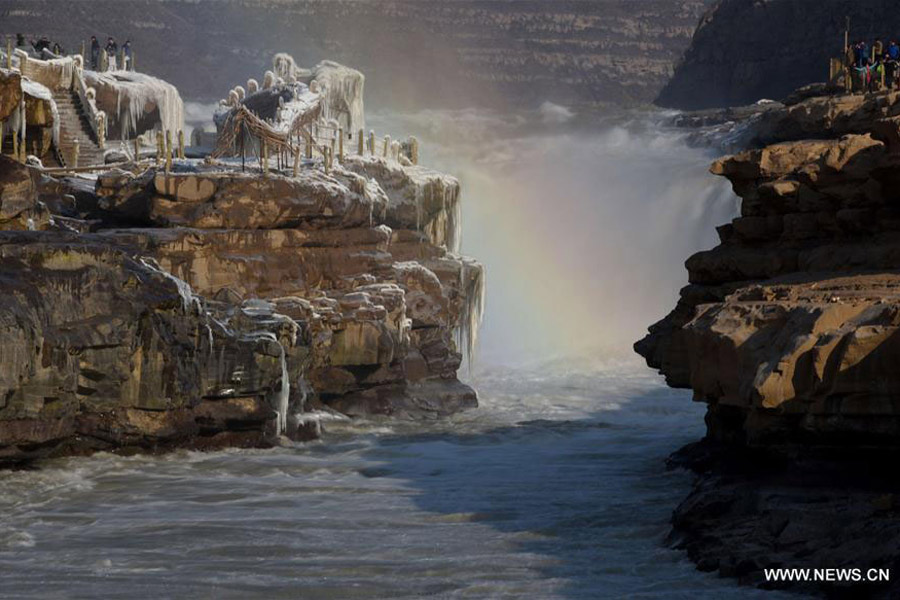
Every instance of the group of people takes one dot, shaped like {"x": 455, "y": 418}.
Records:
{"x": 111, "y": 54}
{"x": 874, "y": 67}
{"x": 40, "y": 45}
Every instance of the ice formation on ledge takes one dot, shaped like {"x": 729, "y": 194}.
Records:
{"x": 134, "y": 95}
{"x": 37, "y": 90}
{"x": 472, "y": 287}
{"x": 343, "y": 89}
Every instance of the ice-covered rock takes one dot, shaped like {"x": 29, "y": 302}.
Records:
{"x": 136, "y": 103}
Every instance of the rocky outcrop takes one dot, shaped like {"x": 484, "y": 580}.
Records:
{"x": 788, "y": 331}
{"x": 20, "y": 208}
{"x": 106, "y": 351}
{"x": 744, "y": 50}
{"x": 384, "y": 300}
{"x": 209, "y": 304}
{"x": 785, "y": 320}
{"x": 420, "y": 53}
{"x": 10, "y": 93}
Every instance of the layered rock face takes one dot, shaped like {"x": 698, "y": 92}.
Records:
{"x": 744, "y": 50}
{"x": 788, "y": 322}
{"x": 364, "y": 258}
{"x": 789, "y": 332}
{"x": 205, "y": 305}
{"x": 433, "y": 53}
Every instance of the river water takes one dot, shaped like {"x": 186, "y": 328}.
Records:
{"x": 555, "y": 487}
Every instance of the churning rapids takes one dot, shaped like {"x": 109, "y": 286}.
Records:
{"x": 554, "y": 488}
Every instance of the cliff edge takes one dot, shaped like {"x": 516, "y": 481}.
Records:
{"x": 789, "y": 331}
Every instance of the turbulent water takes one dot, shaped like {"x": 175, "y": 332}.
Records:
{"x": 554, "y": 488}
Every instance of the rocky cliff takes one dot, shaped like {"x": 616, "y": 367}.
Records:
{"x": 417, "y": 52}
{"x": 207, "y": 303}
{"x": 744, "y": 50}
{"x": 788, "y": 331}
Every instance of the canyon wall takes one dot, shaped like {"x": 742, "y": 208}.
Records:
{"x": 786, "y": 327}
{"x": 788, "y": 331}
{"x": 415, "y": 52}
{"x": 745, "y": 50}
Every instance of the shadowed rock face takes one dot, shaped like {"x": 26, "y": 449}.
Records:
{"x": 788, "y": 327}
{"x": 416, "y": 51}
{"x": 105, "y": 351}
{"x": 789, "y": 331}
{"x": 19, "y": 206}
{"x": 744, "y": 50}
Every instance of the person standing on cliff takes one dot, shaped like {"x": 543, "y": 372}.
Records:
{"x": 112, "y": 48}
{"x": 862, "y": 54}
{"x": 95, "y": 53}
{"x": 892, "y": 56}
{"x": 877, "y": 51}
{"x": 126, "y": 56}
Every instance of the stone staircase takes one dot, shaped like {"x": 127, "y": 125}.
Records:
{"x": 74, "y": 124}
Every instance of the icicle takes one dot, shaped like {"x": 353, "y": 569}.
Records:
{"x": 472, "y": 288}
{"x": 284, "y": 392}
{"x": 280, "y": 397}
{"x": 188, "y": 299}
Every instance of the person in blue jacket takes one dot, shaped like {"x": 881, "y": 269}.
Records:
{"x": 893, "y": 50}
{"x": 862, "y": 54}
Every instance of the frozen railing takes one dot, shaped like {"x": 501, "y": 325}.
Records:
{"x": 87, "y": 95}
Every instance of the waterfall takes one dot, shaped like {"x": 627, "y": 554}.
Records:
{"x": 584, "y": 225}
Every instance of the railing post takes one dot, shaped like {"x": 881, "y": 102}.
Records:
{"x": 9, "y": 54}
{"x": 341, "y": 144}
{"x": 372, "y": 142}
{"x": 160, "y": 148}
{"x": 296, "y": 160}
{"x": 101, "y": 129}
{"x": 387, "y": 146}
{"x": 23, "y": 124}
{"x": 309, "y": 150}
{"x": 181, "y": 144}
{"x": 327, "y": 160}
{"x": 168, "y": 151}
{"x": 82, "y": 50}
{"x": 413, "y": 150}
{"x": 361, "y": 142}
{"x": 265, "y": 156}
{"x": 76, "y": 148}
{"x": 137, "y": 151}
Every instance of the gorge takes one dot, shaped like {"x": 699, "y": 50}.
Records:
{"x": 246, "y": 365}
